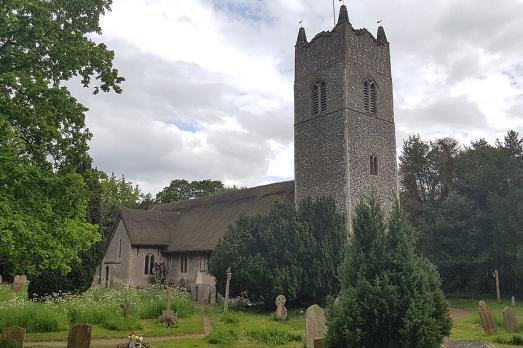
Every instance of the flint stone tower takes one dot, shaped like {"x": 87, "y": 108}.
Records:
{"x": 344, "y": 131}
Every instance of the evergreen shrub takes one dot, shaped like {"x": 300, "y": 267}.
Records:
{"x": 390, "y": 297}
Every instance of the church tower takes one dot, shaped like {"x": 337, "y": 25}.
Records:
{"x": 344, "y": 134}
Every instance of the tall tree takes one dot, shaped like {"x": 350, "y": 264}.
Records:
{"x": 295, "y": 253}
{"x": 390, "y": 297}
{"x": 181, "y": 189}
{"x": 471, "y": 225}
{"x": 108, "y": 195}
{"x": 43, "y": 138}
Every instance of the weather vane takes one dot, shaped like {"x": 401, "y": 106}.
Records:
{"x": 379, "y": 22}
{"x": 300, "y": 22}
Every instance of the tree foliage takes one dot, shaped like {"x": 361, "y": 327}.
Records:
{"x": 181, "y": 189}
{"x": 473, "y": 226}
{"x": 44, "y": 164}
{"x": 289, "y": 252}
{"x": 108, "y": 195}
{"x": 390, "y": 297}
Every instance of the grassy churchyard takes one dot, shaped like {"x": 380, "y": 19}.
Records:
{"x": 48, "y": 320}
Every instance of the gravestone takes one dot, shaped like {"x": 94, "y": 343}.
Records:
{"x": 513, "y": 300}
{"x": 314, "y": 325}
{"x": 319, "y": 342}
{"x": 14, "y": 335}
{"x": 281, "y": 311}
{"x": 18, "y": 282}
{"x": 79, "y": 336}
{"x": 213, "y": 294}
{"x": 510, "y": 319}
{"x": 168, "y": 316}
{"x": 487, "y": 320}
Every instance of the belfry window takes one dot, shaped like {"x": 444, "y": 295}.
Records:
{"x": 319, "y": 97}
{"x": 373, "y": 165}
{"x": 370, "y": 96}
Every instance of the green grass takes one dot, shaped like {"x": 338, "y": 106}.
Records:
{"x": 49, "y": 320}
{"x": 469, "y": 327}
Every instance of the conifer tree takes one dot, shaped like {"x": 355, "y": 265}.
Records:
{"x": 390, "y": 297}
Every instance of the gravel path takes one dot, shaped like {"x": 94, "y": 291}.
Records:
{"x": 466, "y": 344}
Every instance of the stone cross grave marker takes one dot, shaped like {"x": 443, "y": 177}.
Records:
{"x": 226, "y": 300}
{"x": 14, "y": 334}
{"x": 168, "y": 316}
{"x": 281, "y": 311}
{"x": 79, "y": 336}
{"x": 314, "y": 325}
{"x": 510, "y": 319}
{"x": 126, "y": 308}
{"x": 487, "y": 320}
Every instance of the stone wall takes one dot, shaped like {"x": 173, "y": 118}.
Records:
{"x": 116, "y": 259}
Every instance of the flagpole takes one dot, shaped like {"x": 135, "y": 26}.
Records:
{"x": 334, "y": 12}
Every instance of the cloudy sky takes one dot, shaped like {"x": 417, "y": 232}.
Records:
{"x": 209, "y": 83}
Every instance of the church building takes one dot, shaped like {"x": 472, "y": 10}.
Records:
{"x": 344, "y": 147}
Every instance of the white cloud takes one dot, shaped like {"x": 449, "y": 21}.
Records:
{"x": 209, "y": 84}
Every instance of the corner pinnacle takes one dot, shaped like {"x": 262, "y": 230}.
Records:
{"x": 302, "y": 37}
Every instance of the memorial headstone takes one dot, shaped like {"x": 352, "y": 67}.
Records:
{"x": 18, "y": 283}
{"x": 281, "y": 311}
{"x": 314, "y": 325}
{"x": 14, "y": 335}
{"x": 487, "y": 320}
{"x": 319, "y": 342}
{"x": 513, "y": 300}
{"x": 213, "y": 294}
{"x": 510, "y": 319}
{"x": 79, "y": 336}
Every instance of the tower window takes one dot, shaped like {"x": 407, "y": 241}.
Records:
{"x": 319, "y": 97}
{"x": 373, "y": 165}
{"x": 370, "y": 96}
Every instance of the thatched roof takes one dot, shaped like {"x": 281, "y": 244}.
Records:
{"x": 198, "y": 224}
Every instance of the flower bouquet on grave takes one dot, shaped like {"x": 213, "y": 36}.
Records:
{"x": 136, "y": 341}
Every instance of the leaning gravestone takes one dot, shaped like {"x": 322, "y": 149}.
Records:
{"x": 281, "y": 311}
{"x": 510, "y": 319}
{"x": 314, "y": 325}
{"x": 14, "y": 335}
{"x": 487, "y": 320}
{"x": 79, "y": 336}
